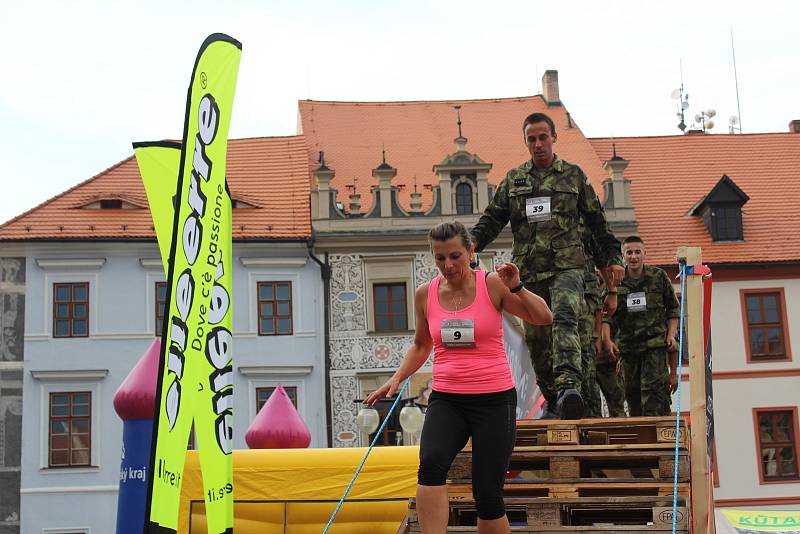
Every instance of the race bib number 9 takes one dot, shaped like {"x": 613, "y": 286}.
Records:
{"x": 537, "y": 209}
{"x": 458, "y": 333}
{"x": 637, "y": 302}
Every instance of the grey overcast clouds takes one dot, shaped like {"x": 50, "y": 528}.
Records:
{"x": 81, "y": 80}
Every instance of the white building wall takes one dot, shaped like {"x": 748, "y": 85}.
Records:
{"x": 740, "y": 386}
{"x": 728, "y": 328}
{"x": 122, "y": 279}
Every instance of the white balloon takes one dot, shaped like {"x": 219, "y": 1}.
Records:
{"x": 367, "y": 420}
{"x": 411, "y": 419}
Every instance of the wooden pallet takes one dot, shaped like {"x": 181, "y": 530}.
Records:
{"x": 545, "y": 464}
{"x": 646, "y": 431}
{"x": 592, "y": 514}
{"x": 598, "y": 488}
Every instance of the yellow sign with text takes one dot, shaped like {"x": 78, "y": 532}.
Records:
{"x": 195, "y": 381}
{"x": 763, "y": 521}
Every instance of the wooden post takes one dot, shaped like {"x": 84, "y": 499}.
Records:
{"x": 702, "y": 491}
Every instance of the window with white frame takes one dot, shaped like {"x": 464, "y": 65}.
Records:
{"x": 464, "y": 199}
{"x": 70, "y": 423}
{"x": 274, "y": 308}
{"x": 70, "y": 437}
{"x": 71, "y": 309}
{"x": 390, "y": 293}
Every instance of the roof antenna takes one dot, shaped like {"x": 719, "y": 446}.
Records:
{"x": 458, "y": 114}
{"x": 738, "y": 118}
{"x": 683, "y": 101}
{"x": 383, "y": 151}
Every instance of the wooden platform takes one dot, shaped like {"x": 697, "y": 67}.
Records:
{"x": 592, "y": 514}
{"x": 514, "y": 488}
{"x": 647, "y": 431}
{"x": 583, "y": 476}
{"x": 551, "y": 464}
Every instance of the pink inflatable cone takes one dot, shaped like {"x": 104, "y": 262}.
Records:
{"x": 136, "y": 396}
{"x": 278, "y": 425}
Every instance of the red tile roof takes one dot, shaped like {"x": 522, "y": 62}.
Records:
{"x": 270, "y": 173}
{"x": 669, "y": 175}
{"x": 419, "y": 135}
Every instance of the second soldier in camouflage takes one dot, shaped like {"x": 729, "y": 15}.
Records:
{"x": 642, "y": 333}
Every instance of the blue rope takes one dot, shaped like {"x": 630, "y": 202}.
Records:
{"x": 363, "y": 460}
{"x": 682, "y": 267}
{"x": 476, "y": 263}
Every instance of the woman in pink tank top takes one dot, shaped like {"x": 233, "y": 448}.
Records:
{"x": 459, "y": 316}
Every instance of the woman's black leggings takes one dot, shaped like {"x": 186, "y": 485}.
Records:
{"x": 491, "y": 420}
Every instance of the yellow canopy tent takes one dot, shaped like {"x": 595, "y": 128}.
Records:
{"x": 294, "y": 491}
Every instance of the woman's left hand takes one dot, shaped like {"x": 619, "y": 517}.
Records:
{"x": 509, "y": 274}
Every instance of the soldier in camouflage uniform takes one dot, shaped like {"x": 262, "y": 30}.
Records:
{"x": 606, "y": 374}
{"x": 598, "y": 368}
{"x": 644, "y": 327}
{"x": 547, "y": 201}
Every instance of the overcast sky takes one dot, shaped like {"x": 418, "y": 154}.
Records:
{"x": 79, "y": 81}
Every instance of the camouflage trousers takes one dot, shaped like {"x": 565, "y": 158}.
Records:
{"x": 556, "y": 350}
{"x": 646, "y": 377}
{"x": 609, "y": 383}
{"x": 589, "y": 389}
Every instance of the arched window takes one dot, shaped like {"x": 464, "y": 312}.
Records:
{"x": 463, "y": 199}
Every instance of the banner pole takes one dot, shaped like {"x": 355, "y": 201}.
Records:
{"x": 702, "y": 495}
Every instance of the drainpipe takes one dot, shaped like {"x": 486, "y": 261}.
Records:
{"x": 325, "y": 273}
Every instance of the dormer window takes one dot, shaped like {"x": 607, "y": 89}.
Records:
{"x": 721, "y": 211}
{"x": 111, "y": 203}
{"x": 241, "y": 204}
{"x": 726, "y": 222}
{"x": 463, "y": 199}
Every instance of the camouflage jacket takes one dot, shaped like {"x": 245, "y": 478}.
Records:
{"x": 544, "y": 247}
{"x": 644, "y": 307}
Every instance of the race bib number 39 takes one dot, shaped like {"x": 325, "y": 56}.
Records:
{"x": 637, "y": 302}
{"x": 537, "y": 209}
{"x": 458, "y": 333}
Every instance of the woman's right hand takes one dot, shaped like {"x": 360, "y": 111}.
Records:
{"x": 386, "y": 390}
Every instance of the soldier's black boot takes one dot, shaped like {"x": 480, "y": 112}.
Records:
{"x": 549, "y": 411}
{"x": 570, "y": 404}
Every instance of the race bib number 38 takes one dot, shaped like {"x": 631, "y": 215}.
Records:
{"x": 537, "y": 209}
{"x": 637, "y": 302}
{"x": 458, "y": 333}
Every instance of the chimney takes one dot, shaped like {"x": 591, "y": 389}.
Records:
{"x": 550, "y": 88}
{"x": 794, "y": 126}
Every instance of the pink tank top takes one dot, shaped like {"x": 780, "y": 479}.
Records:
{"x": 481, "y": 367}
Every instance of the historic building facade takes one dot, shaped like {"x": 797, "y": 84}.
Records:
{"x": 376, "y": 192}
{"x": 370, "y": 217}
{"x": 82, "y": 293}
